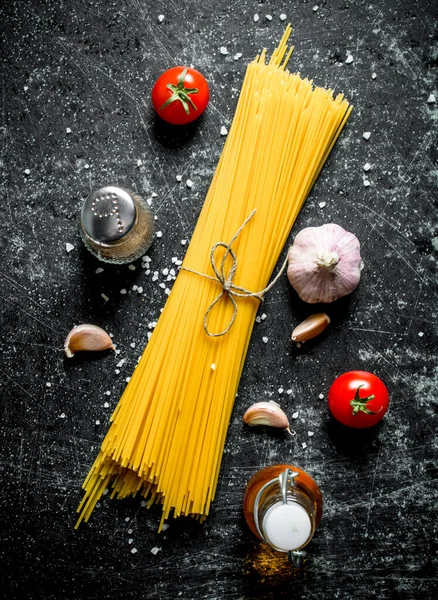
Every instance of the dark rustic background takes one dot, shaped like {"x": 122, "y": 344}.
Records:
{"x": 76, "y": 78}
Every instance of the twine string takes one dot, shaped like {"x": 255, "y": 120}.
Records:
{"x": 226, "y": 280}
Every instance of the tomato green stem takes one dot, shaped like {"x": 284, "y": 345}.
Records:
{"x": 360, "y": 404}
{"x": 181, "y": 93}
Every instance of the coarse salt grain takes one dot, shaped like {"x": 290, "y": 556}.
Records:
{"x": 224, "y": 130}
{"x": 131, "y": 267}
{"x": 159, "y": 234}
{"x": 321, "y": 396}
{"x": 265, "y": 340}
{"x": 256, "y": 18}
{"x": 237, "y": 56}
{"x": 155, "y": 550}
{"x": 310, "y": 433}
{"x": 295, "y": 415}
{"x": 123, "y": 291}
{"x": 27, "y": 171}
{"x": 130, "y": 541}
{"x": 189, "y": 183}
{"x": 223, "y": 50}
{"x": 366, "y": 167}
{"x": 257, "y": 319}
{"x": 304, "y": 445}
{"x": 269, "y": 17}
{"x": 431, "y": 99}
{"x": 160, "y": 18}
{"x": 366, "y": 135}
{"x": 99, "y": 270}
{"x": 349, "y": 59}
{"x": 62, "y": 416}
{"x": 263, "y": 317}
{"x": 139, "y": 163}
{"x": 69, "y": 247}
{"x": 134, "y": 288}
{"x": 322, "y": 204}
{"x": 106, "y": 404}
{"x": 140, "y": 290}
{"x": 134, "y": 551}
{"x": 105, "y": 297}
{"x": 283, "y": 17}
{"x": 366, "y": 182}
{"x": 97, "y": 422}
{"x": 315, "y": 8}
{"x": 280, "y": 390}
{"x": 289, "y": 392}
{"x": 373, "y": 76}
{"x": 121, "y": 363}
{"x": 48, "y": 384}
{"x": 179, "y": 177}
{"x": 183, "y": 242}
{"x": 420, "y": 334}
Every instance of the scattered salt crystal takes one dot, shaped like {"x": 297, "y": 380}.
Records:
{"x": 315, "y": 8}
{"x": 25, "y": 88}
{"x": 366, "y": 167}
{"x": 269, "y": 17}
{"x": 149, "y": 335}
{"x": 62, "y": 416}
{"x": 310, "y": 433}
{"x": 431, "y": 99}
{"x": 134, "y": 287}
{"x": 121, "y": 362}
{"x": 69, "y": 247}
{"x": 223, "y": 50}
{"x": 130, "y": 540}
{"x": 134, "y": 551}
{"x": 172, "y": 272}
{"x": 97, "y": 422}
{"x": 289, "y": 392}
{"x": 165, "y": 271}
{"x": 256, "y": 18}
{"x": 280, "y": 390}
{"x": 105, "y": 297}
{"x": 321, "y": 396}
{"x": 131, "y": 267}
{"x": 263, "y": 317}
{"x": 298, "y": 345}
{"x": 48, "y": 384}
{"x": 99, "y": 270}
{"x": 117, "y": 371}
{"x": 322, "y": 204}
{"x": 160, "y": 18}
{"x": 154, "y": 194}
{"x": 265, "y": 340}
{"x": 189, "y": 183}
{"x": 295, "y": 415}
{"x": 140, "y": 290}
{"x": 27, "y": 171}
{"x": 165, "y": 527}
{"x": 224, "y": 130}
{"x": 159, "y": 234}
{"x": 127, "y": 379}
{"x": 143, "y": 503}
{"x": 139, "y": 163}
{"x": 155, "y": 550}
{"x": 237, "y": 56}
{"x": 366, "y": 135}
{"x": 283, "y": 17}
{"x": 304, "y": 445}
{"x": 366, "y": 182}
{"x": 373, "y": 76}
{"x": 167, "y": 291}
{"x": 183, "y": 242}
{"x": 123, "y": 291}
{"x": 174, "y": 259}
{"x": 420, "y": 334}
{"x": 178, "y": 262}
{"x": 108, "y": 393}
{"x": 132, "y": 344}
{"x": 106, "y": 405}
{"x": 162, "y": 285}
{"x": 68, "y": 130}
{"x": 349, "y": 59}
{"x": 213, "y": 367}
{"x": 179, "y": 177}
{"x": 258, "y": 319}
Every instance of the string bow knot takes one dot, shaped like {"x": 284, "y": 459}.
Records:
{"x": 226, "y": 280}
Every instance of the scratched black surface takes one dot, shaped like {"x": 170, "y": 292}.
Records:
{"x": 76, "y": 115}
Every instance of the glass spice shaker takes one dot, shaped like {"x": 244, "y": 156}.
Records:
{"x": 117, "y": 225}
{"x": 282, "y": 505}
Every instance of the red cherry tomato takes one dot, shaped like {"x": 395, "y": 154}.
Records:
{"x": 358, "y": 399}
{"x": 180, "y": 95}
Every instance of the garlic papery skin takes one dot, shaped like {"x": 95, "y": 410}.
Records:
{"x": 87, "y": 337}
{"x": 324, "y": 263}
{"x": 310, "y": 327}
{"x": 266, "y": 413}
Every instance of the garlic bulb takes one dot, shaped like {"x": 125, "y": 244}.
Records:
{"x": 324, "y": 263}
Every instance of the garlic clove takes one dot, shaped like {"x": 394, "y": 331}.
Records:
{"x": 324, "y": 263}
{"x": 87, "y": 337}
{"x": 266, "y": 413}
{"x": 310, "y": 327}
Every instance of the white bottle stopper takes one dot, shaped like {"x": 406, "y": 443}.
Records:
{"x": 287, "y": 526}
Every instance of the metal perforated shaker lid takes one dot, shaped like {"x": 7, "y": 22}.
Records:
{"x": 108, "y": 214}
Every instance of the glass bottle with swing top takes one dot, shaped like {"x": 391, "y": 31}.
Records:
{"x": 283, "y": 507}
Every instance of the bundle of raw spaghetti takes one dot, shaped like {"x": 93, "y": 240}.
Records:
{"x": 168, "y": 431}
